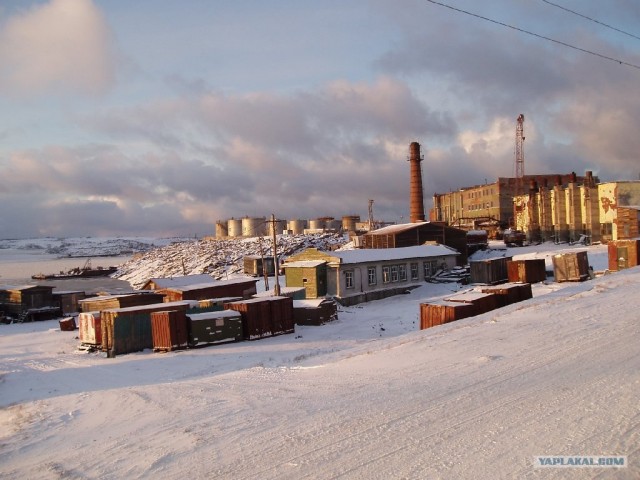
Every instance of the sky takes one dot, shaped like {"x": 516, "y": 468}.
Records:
{"x": 161, "y": 118}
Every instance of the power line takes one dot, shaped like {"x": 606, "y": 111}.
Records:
{"x": 621, "y": 62}
{"x": 589, "y": 18}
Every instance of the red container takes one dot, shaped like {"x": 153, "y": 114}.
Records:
{"x": 439, "y": 312}
{"x": 482, "y": 302}
{"x": 169, "y": 330}
{"x": 527, "y": 271}
{"x": 623, "y": 254}
{"x": 264, "y": 316}
{"x": 509, "y": 293}
{"x": 90, "y": 328}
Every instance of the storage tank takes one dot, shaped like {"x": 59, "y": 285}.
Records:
{"x": 253, "y": 226}
{"x": 280, "y": 227}
{"x": 234, "y": 227}
{"x": 221, "y": 229}
{"x": 333, "y": 225}
{"x": 317, "y": 224}
{"x": 297, "y": 226}
{"x": 349, "y": 222}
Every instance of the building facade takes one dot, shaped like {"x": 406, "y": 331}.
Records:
{"x": 356, "y": 276}
{"x": 490, "y": 206}
{"x": 574, "y": 212}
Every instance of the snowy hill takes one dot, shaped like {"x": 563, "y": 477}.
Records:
{"x": 219, "y": 258}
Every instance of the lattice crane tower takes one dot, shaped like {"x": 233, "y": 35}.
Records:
{"x": 520, "y": 148}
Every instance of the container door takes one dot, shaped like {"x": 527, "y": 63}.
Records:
{"x": 623, "y": 258}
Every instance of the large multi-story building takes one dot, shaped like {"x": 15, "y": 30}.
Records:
{"x": 490, "y": 205}
{"x": 595, "y": 212}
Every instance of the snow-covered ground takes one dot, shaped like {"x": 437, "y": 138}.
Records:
{"x": 367, "y": 396}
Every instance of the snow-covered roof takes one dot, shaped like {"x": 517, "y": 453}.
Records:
{"x": 305, "y": 263}
{"x": 211, "y": 283}
{"x": 209, "y": 315}
{"x": 180, "y": 281}
{"x": 383, "y": 254}
{"x": 401, "y": 227}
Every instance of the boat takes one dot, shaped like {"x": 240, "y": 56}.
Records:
{"x": 86, "y": 271}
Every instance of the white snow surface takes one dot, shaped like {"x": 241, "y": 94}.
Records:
{"x": 367, "y": 396}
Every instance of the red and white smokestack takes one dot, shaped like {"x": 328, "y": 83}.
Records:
{"x": 416, "y": 207}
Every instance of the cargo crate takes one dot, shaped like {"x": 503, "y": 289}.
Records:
{"x": 623, "y": 254}
{"x": 527, "y": 271}
{"x": 90, "y": 328}
{"x": 214, "y": 327}
{"x": 482, "y": 302}
{"x": 509, "y": 293}
{"x": 169, "y": 330}
{"x": 440, "y": 312}
{"x": 571, "y": 267}
{"x": 489, "y": 271}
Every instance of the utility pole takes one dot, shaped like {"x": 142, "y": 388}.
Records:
{"x": 265, "y": 273}
{"x": 276, "y": 288}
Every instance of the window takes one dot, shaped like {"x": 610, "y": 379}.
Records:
{"x": 430, "y": 268}
{"x": 394, "y": 273}
{"x": 386, "y": 278}
{"x": 606, "y": 228}
{"x": 348, "y": 277}
{"x": 402, "y": 270}
{"x": 371, "y": 271}
{"x": 414, "y": 271}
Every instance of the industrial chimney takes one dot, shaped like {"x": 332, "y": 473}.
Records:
{"x": 416, "y": 207}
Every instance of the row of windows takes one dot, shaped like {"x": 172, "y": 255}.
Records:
{"x": 394, "y": 273}
{"x": 478, "y": 193}
{"x": 482, "y": 206}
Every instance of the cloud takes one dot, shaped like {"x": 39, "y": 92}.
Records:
{"x": 61, "y": 46}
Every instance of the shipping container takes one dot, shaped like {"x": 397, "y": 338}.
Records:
{"x": 527, "y": 271}
{"x": 213, "y": 304}
{"x": 214, "y": 327}
{"x": 169, "y": 330}
{"x": 264, "y": 317}
{"x": 482, "y": 302}
{"x": 90, "y": 328}
{"x": 509, "y": 293}
{"x": 623, "y": 254}
{"x": 126, "y": 330}
{"x": 242, "y": 287}
{"x": 104, "y": 302}
{"x": 571, "y": 267}
{"x": 489, "y": 271}
{"x": 314, "y": 311}
{"x": 440, "y": 312}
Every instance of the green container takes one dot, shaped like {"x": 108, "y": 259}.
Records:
{"x": 214, "y": 327}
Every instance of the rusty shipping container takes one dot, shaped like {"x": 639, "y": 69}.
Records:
{"x": 527, "y": 271}
{"x": 169, "y": 330}
{"x": 214, "y": 327}
{"x": 440, "y": 312}
{"x": 489, "y": 271}
{"x": 571, "y": 267}
{"x": 90, "y": 328}
{"x": 623, "y": 254}
{"x": 126, "y": 330}
{"x": 509, "y": 293}
{"x": 264, "y": 317}
{"x": 105, "y": 302}
{"x": 482, "y": 302}
{"x": 243, "y": 288}
{"x": 213, "y": 304}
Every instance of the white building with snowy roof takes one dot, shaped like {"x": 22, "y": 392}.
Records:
{"x": 355, "y": 276}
